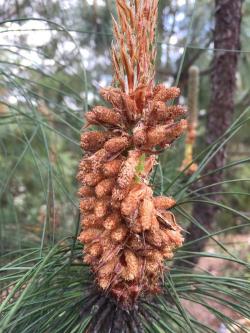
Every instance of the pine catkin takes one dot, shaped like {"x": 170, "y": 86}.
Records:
{"x": 91, "y": 178}
{"x": 193, "y": 94}
{"x": 104, "y": 187}
{"x": 86, "y": 191}
{"x": 117, "y": 144}
{"x": 193, "y": 98}
{"x": 126, "y": 231}
{"x": 93, "y": 141}
{"x": 112, "y": 168}
{"x": 101, "y": 114}
{"x": 112, "y": 221}
{"x": 161, "y": 202}
{"x": 146, "y": 212}
{"x": 90, "y": 220}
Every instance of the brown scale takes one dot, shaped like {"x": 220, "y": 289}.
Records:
{"x": 127, "y": 232}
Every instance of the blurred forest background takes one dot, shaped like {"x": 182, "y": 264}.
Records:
{"x": 54, "y": 56}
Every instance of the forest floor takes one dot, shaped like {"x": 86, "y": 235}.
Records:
{"x": 239, "y": 245}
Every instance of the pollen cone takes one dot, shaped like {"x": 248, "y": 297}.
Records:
{"x": 127, "y": 232}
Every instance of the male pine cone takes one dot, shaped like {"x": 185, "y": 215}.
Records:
{"x": 127, "y": 232}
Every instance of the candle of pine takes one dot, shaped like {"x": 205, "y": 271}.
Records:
{"x": 127, "y": 232}
{"x": 193, "y": 95}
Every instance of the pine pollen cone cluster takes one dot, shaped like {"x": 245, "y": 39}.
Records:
{"x": 127, "y": 232}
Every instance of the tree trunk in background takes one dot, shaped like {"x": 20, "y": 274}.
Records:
{"x": 223, "y": 77}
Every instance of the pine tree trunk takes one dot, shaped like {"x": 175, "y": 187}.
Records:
{"x": 223, "y": 77}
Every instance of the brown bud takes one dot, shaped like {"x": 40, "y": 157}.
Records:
{"x": 104, "y": 187}
{"x": 148, "y": 166}
{"x": 130, "y": 271}
{"x": 101, "y": 207}
{"x": 112, "y": 168}
{"x": 136, "y": 243}
{"x": 130, "y": 107}
{"x": 140, "y": 135}
{"x": 175, "y": 131}
{"x": 86, "y": 191}
{"x": 87, "y": 204}
{"x": 176, "y": 111}
{"x": 153, "y": 236}
{"x": 165, "y": 238}
{"x": 89, "y": 235}
{"x": 90, "y": 220}
{"x": 116, "y": 144}
{"x": 154, "y": 239}
{"x": 136, "y": 225}
{"x": 154, "y": 255}
{"x": 146, "y": 212}
{"x": 91, "y": 179}
{"x": 94, "y": 250}
{"x": 85, "y": 166}
{"x": 112, "y": 221}
{"x": 155, "y": 226}
{"x": 167, "y": 252}
{"x": 161, "y": 93}
{"x": 162, "y": 202}
{"x": 140, "y": 95}
{"x": 113, "y": 96}
{"x": 91, "y": 117}
{"x": 107, "y": 268}
{"x": 119, "y": 234}
{"x": 118, "y": 194}
{"x": 156, "y": 135}
{"x": 92, "y": 141}
{"x": 104, "y": 115}
{"x": 104, "y": 282}
{"x": 80, "y": 175}
{"x": 175, "y": 237}
{"x": 162, "y": 112}
{"x": 98, "y": 158}
{"x": 128, "y": 169}
{"x": 131, "y": 203}
{"x": 110, "y": 250}
{"x": 152, "y": 267}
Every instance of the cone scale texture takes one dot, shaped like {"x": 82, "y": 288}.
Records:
{"x": 127, "y": 232}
